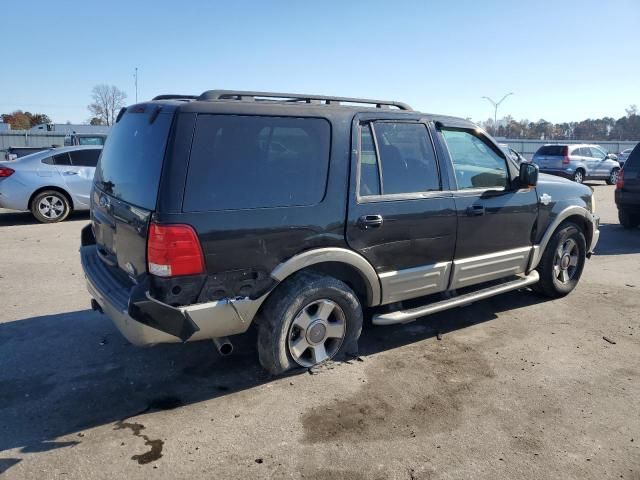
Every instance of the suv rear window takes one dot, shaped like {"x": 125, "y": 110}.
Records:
{"x": 552, "y": 150}
{"x": 633, "y": 161}
{"x": 131, "y": 161}
{"x": 240, "y": 162}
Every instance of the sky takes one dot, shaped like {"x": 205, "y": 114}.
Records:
{"x": 563, "y": 60}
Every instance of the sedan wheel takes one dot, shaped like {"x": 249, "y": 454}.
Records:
{"x": 578, "y": 177}
{"x": 50, "y": 206}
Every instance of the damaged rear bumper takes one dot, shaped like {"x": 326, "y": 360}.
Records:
{"x": 144, "y": 320}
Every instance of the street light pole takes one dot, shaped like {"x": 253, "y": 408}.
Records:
{"x": 495, "y": 108}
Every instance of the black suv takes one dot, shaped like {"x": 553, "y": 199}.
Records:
{"x": 294, "y": 212}
{"x": 628, "y": 191}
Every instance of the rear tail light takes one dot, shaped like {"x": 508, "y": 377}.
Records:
{"x": 6, "y": 172}
{"x": 565, "y": 159}
{"x": 620, "y": 182}
{"x": 174, "y": 250}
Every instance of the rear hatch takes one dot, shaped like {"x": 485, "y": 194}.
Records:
{"x": 550, "y": 156}
{"x": 126, "y": 186}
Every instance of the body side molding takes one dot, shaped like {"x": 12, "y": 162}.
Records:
{"x": 333, "y": 254}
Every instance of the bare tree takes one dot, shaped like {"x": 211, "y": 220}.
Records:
{"x": 107, "y": 101}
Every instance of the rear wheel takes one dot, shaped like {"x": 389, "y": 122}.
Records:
{"x": 309, "y": 319}
{"x": 562, "y": 262}
{"x": 578, "y": 176}
{"x": 628, "y": 219}
{"x": 50, "y": 206}
{"x": 613, "y": 177}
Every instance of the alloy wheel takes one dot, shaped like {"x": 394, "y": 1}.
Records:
{"x": 565, "y": 264}
{"x": 51, "y": 207}
{"x": 317, "y": 332}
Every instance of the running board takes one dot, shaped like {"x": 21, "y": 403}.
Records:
{"x": 404, "y": 316}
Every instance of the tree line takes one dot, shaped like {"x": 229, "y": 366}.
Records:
{"x": 107, "y": 100}
{"x": 606, "y": 128}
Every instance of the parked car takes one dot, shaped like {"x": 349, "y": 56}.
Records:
{"x": 295, "y": 212}
{"x": 516, "y": 157}
{"x": 623, "y": 155}
{"x": 627, "y": 194}
{"x": 13, "y": 153}
{"x": 50, "y": 183}
{"x": 578, "y": 162}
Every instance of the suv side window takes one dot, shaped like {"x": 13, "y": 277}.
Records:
{"x": 250, "y": 161}
{"x": 476, "y": 163}
{"x": 597, "y": 153}
{"x": 62, "y": 159}
{"x": 403, "y": 162}
{"x": 85, "y": 158}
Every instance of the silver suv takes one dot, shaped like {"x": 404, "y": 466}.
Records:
{"x": 578, "y": 162}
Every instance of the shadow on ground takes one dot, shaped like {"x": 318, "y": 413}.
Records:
{"x": 72, "y": 371}
{"x": 9, "y": 218}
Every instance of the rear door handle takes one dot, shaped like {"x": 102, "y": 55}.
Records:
{"x": 70, "y": 172}
{"x": 370, "y": 221}
{"x": 475, "y": 210}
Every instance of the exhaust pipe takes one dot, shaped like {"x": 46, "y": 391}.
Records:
{"x": 95, "y": 306}
{"x": 224, "y": 346}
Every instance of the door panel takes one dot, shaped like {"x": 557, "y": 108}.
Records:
{"x": 495, "y": 223}
{"x": 408, "y": 237}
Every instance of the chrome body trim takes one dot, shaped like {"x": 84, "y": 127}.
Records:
{"x": 333, "y": 254}
{"x": 492, "y": 266}
{"x": 414, "y": 282}
{"x": 404, "y": 316}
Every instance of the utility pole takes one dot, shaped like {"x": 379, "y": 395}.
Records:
{"x": 135, "y": 77}
{"x": 495, "y": 109}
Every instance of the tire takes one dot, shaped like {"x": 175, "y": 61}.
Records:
{"x": 627, "y": 219}
{"x": 613, "y": 176}
{"x": 578, "y": 176}
{"x": 553, "y": 282}
{"x": 319, "y": 303}
{"x": 50, "y": 206}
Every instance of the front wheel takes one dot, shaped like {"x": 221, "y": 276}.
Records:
{"x": 613, "y": 176}
{"x": 562, "y": 262}
{"x": 50, "y": 206}
{"x": 309, "y": 319}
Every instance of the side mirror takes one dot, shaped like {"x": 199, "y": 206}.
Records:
{"x": 528, "y": 176}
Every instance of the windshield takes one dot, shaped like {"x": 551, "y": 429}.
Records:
{"x": 131, "y": 162}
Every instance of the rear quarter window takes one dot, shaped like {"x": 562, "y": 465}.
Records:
{"x": 243, "y": 162}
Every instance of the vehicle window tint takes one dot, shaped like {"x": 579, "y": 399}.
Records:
{"x": 131, "y": 161}
{"x": 585, "y": 152}
{"x": 369, "y": 176}
{"x": 552, "y": 150}
{"x": 62, "y": 159}
{"x": 633, "y": 161}
{"x": 240, "y": 162}
{"x": 85, "y": 158}
{"x": 48, "y": 161}
{"x": 407, "y": 158}
{"x": 597, "y": 153}
{"x": 476, "y": 164}
{"x": 90, "y": 141}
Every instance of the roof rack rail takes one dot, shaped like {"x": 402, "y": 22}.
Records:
{"x": 171, "y": 96}
{"x": 296, "y": 98}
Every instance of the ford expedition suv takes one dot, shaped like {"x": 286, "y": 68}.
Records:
{"x": 293, "y": 213}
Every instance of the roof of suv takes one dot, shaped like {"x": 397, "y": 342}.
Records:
{"x": 237, "y": 101}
